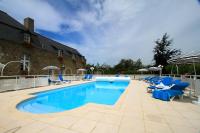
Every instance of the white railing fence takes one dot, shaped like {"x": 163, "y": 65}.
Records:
{"x": 22, "y": 82}
{"x": 32, "y": 81}
{"x": 18, "y": 82}
{"x": 194, "y": 81}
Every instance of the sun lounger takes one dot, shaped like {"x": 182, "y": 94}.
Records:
{"x": 54, "y": 81}
{"x": 90, "y": 76}
{"x": 154, "y": 80}
{"x": 85, "y": 76}
{"x": 62, "y": 80}
{"x": 169, "y": 94}
{"x": 163, "y": 83}
{"x": 166, "y": 83}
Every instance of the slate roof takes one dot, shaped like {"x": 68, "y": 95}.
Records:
{"x": 40, "y": 41}
{"x": 8, "y": 20}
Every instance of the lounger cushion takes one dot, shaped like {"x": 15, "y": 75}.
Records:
{"x": 165, "y": 95}
{"x": 152, "y": 87}
{"x": 162, "y": 95}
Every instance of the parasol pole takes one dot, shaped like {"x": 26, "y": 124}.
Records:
{"x": 195, "y": 73}
{"x": 177, "y": 71}
{"x": 172, "y": 69}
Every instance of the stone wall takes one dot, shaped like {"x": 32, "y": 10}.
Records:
{"x": 40, "y": 50}
{"x": 39, "y": 58}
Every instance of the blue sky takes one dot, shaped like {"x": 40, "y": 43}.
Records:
{"x": 105, "y": 31}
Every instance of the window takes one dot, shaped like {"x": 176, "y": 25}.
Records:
{"x": 27, "y": 38}
{"x": 73, "y": 57}
{"x": 60, "y": 53}
{"x": 43, "y": 46}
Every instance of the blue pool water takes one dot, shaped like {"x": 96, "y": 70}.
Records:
{"x": 67, "y": 98}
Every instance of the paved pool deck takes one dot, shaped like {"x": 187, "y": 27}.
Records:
{"x": 135, "y": 112}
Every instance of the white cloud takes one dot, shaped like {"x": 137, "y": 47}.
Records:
{"x": 132, "y": 26}
{"x": 45, "y": 16}
{"x": 117, "y": 29}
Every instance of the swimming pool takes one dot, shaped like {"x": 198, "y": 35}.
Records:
{"x": 67, "y": 98}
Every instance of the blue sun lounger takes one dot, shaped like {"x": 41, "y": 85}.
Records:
{"x": 62, "y": 80}
{"x": 166, "y": 81}
{"x": 87, "y": 77}
{"x": 147, "y": 78}
{"x": 169, "y": 94}
{"x": 90, "y": 76}
{"x": 154, "y": 80}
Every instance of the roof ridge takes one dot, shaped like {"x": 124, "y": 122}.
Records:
{"x": 10, "y": 21}
{"x": 2, "y": 11}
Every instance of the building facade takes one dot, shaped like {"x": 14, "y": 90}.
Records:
{"x": 28, "y": 52}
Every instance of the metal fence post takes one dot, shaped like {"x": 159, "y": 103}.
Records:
{"x": 16, "y": 83}
{"x": 34, "y": 84}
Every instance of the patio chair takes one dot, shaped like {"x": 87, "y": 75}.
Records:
{"x": 170, "y": 94}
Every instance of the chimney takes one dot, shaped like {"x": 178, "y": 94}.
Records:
{"x": 29, "y": 24}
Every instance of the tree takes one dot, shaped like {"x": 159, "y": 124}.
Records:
{"x": 163, "y": 52}
{"x": 107, "y": 69}
{"x": 138, "y": 64}
{"x": 88, "y": 66}
{"x": 124, "y": 66}
{"x": 127, "y": 66}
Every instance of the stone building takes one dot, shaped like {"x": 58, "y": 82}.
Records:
{"x": 31, "y": 51}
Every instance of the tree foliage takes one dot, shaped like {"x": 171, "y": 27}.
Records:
{"x": 125, "y": 66}
{"x": 163, "y": 51}
{"x": 128, "y": 66}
